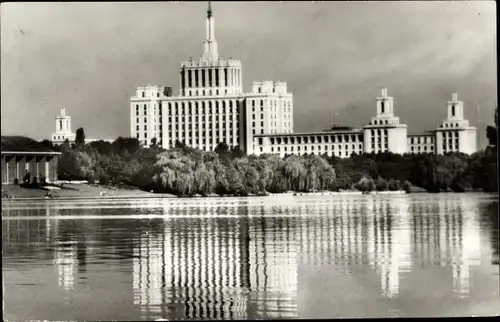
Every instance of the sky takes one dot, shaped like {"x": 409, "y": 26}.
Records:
{"x": 335, "y": 57}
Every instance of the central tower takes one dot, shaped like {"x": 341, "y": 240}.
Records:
{"x": 211, "y": 75}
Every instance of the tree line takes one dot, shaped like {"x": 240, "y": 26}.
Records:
{"x": 186, "y": 171}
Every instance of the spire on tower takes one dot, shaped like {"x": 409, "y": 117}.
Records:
{"x": 210, "y": 44}
{"x": 209, "y": 10}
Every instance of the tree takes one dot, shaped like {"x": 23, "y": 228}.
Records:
{"x": 154, "y": 143}
{"x": 124, "y": 146}
{"x": 237, "y": 152}
{"x": 48, "y": 144}
{"x": 365, "y": 184}
{"x": 69, "y": 166}
{"x": 491, "y": 134}
{"x": 80, "y": 137}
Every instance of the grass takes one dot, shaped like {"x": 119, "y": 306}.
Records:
{"x": 72, "y": 191}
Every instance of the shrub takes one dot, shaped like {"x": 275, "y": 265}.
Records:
{"x": 381, "y": 184}
{"x": 104, "y": 178}
{"x": 406, "y": 186}
{"x": 90, "y": 178}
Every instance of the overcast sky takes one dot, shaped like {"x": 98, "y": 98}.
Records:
{"x": 335, "y": 56}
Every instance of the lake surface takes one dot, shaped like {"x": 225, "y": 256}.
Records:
{"x": 414, "y": 255}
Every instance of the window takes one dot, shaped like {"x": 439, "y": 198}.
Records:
{"x": 382, "y": 107}
{"x": 453, "y": 110}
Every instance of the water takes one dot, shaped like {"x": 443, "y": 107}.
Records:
{"x": 251, "y": 258}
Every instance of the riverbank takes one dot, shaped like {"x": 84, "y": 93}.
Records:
{"x": 70, "y": 191}
{"x": 82, "y": 191}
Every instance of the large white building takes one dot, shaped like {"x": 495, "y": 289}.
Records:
{"x": 212, "y": 107}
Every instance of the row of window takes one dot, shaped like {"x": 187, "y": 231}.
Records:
{"x": 156, "y": 120}
{"x": 208, "y": 128}
{"x": 379, "y": 132}
{"x": 273, "y": 105}
{"x": 327, "y": 147}
{"x": 450, "y": 147}
{"x": 449, "y": 125}
{"x": 137, "y": 107}
{"x": 228, "y": 118}
{"x": 60, "y": 137}
{"x": 319, "y": 139}
{"x": 381, "y": 122}
{"x": 214, "y": 140}
{"x": 336, "y": 153}
{"x": 450, "y": 134}
{"x": 421, "y": 140}
{"x": 181, "y": 107}
{"x": 200, "y": 107}
{"x": 207, "y": 134}
{"x": 203, "y": 92}
{"x": 209, "y": 77}
{"x": 422, "y": 149}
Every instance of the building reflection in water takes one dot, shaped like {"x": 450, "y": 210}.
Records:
{"x": 198, "y": 266}
{"x": 214, "y": 262}
{"x": 447, "y": 233}
{"x": 388, "y": 241}
{"x": 273, "y": 264}
{"x": 234, "y": 260}
{"x": 23, "y": 234}
{"x": 239, "y": 258}
{"x": 64, "y": 248}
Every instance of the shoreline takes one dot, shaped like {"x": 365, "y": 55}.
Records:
{"x": 167, "y": 196}
{"x": 84, "y": 191}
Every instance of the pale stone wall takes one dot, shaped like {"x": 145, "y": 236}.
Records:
{"x": 332, "y": 143}
{"x": 421, "y": 143}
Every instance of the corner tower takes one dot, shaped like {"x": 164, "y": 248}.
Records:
{"x": 63, "y": 129}
{"x": 384, "y": 133}
{"x": 455, "y": 134}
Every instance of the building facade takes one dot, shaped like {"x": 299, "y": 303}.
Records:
{"x": 63, "y": 129}
{"x": 21, "y": 155}
{"x": 212, "y": 107}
